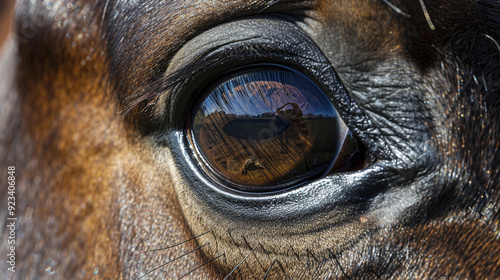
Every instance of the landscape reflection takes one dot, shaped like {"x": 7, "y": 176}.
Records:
{"x": 267, "y": 127}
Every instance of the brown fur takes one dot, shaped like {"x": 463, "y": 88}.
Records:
{"x": 93, "y": 191}
{"x": 6, "y": 15}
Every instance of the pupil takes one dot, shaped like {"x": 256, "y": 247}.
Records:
{"x": 264, "y": 129}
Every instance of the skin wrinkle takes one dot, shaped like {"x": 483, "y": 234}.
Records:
{"x": 94, "y": 189}
{"x": 359, "y": 79}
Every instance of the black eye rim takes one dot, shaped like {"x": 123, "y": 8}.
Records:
{"x": 296, "y": 51}
{"x": 327, "y": 199}
{"x": 289, "y": 50}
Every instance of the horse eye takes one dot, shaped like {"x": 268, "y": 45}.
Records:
{"x": 268, "y": 128}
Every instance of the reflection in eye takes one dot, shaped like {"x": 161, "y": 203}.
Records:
{"x": 265, "y": 129}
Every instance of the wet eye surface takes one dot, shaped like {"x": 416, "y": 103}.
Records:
{"x": 267, "y": 128}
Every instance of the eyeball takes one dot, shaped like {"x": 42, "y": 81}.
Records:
{"x": 266, "y": 128}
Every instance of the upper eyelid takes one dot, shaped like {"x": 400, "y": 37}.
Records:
{"x": 204, "y": 58}
{"x": 212, "y": 53}
{"x": 168, "y": 80}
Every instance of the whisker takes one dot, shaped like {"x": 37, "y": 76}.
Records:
{"x": 270, "y": 268}
{"x": 238, "y": 265}
{"x": 311, "y": 267}
{"x": 398, "y": 10}
{"x": 172, "y": 260}
{"x": 171, "y": 246}
{"x": 319, "y": 265}
{"x": 484, "y": 83}
{"x": 493, "y": 40}
{"x": 295, "y": 253}
{"x": 256, "y": 258}
{"x": 201, "y": 265}
{"x": 105, "y": 10}
{"x": 426, "y": 14}
{"x": 334, "y": 256}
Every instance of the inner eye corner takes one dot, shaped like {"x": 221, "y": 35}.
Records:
{"x": 266, "y": 128}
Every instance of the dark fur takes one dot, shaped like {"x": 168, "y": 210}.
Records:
{"x": 93, "y": 188}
